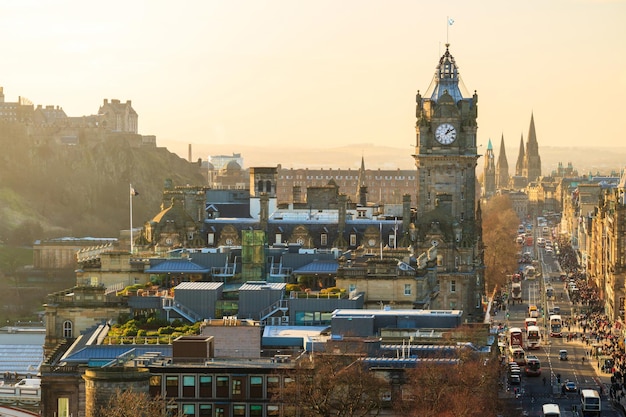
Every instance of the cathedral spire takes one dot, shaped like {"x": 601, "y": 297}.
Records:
{"x": 502, "y": 168}
{"x": 489, "y": 176}
{"x": 519, "y": 165}
{"x": 532, "y": 160}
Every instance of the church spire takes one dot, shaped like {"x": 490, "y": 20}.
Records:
{"x": 361, "y": 188}
{"x": 519, "y": 165}
{"x": 532, "y": 160}
{"x": 502, "y": 168}
{"x": 489, "y": 177}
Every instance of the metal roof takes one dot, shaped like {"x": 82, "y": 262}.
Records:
{"x": 319, "y": 267}
{"x": 110, "y": 352}
{"x": 182, "y": 266}
{"x": 446, "y": 80}
{"x": 262, "y": 286}
{"x": 199, "y": 285}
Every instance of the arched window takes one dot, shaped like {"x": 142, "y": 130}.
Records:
{"x": 259, "y": 186}
{"x": 268, "y": 186}
{"x": 67, "y": 329}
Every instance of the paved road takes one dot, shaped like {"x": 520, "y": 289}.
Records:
{"x": 532, "y": 393}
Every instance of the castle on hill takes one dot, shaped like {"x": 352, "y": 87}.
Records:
{"x": 51, "y": 125}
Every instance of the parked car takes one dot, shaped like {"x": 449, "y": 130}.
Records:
{"x": 563, "y": 355}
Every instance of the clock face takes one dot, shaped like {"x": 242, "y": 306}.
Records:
{"x": 445, "y": 133}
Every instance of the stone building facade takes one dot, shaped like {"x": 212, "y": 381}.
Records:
{"x": 70, "y": 312}
{"x": 60, "y": 253}
{"x": 606, "y": 250}
{"x": 448, "y": 211}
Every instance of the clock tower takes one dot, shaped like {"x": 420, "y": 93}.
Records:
{"x": 448, "y": 213}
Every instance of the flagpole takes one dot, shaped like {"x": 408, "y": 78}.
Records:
{"x": 381, "y": 241}
{"x": 130, "y": 197}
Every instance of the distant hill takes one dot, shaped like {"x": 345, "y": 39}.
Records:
{"x": 583, "y": 159}
{"x": 51, "y": 190}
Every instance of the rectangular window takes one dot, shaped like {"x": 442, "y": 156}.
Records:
{"x": 273, "y": 385}
{"x": 206, "y": 386}
{"x": 256, "y": 387}
{"x": 453, "y": 286}
{"x": 256, "y": 410}
{"x": 63, "y": 407}
{"x": 221, "y": 387}
{"x": 238, "y": 387}
{"x": 211, "y": 239}
{"x": 324, "y": 239}
{"x": 171, "y": 386}
{"x": 221, "y": 411}
{"x": 353, "y": 240}
{"x": 189, "y": 386}
{"x": 206, "y": 410}
{"x": 407, "y": 289}
{"x": 392, "y": 241}
{"x": 279, "y": 238}
{"x": 155, "y": 386}
{"x": 189, "y": 409}
{"x": 351, "y": 287}
{"x": 273, "y": 410}
{"x": 239, "y": 410}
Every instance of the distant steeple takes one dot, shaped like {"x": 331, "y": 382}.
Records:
{"x": 361, "y": 188}
{"x": 532, "y": 160}
{"x": 489, "y": 178}
{"x": 519, "y": 165}
{"x": 502, "y": 168}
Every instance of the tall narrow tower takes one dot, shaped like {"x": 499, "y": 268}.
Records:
{"x": 502, "y": 168}
{"x": 489, "y": 172}
{"x": 519, "y": 165}
{"x": 446, "y": 158}
{"x": 361, "y": 188}
{"x": 532, "y": 160}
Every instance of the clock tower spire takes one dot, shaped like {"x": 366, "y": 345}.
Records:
{"x": 446, "y": 159}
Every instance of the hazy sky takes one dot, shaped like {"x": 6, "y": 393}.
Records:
{"x": 323, "y": 73}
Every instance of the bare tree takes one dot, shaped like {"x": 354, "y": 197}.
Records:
{"x": 129, "y": 403}
{"x": 499, "y": 230}
{"x": 331, "y": 385}
{"x": 465, "y": 388}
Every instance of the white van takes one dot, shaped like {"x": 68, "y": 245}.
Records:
{"x": 29, "y": 382}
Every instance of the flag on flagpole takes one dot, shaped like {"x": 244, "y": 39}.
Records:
{"x": 133, "y": 192}
{"x": 450, "y": 21}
